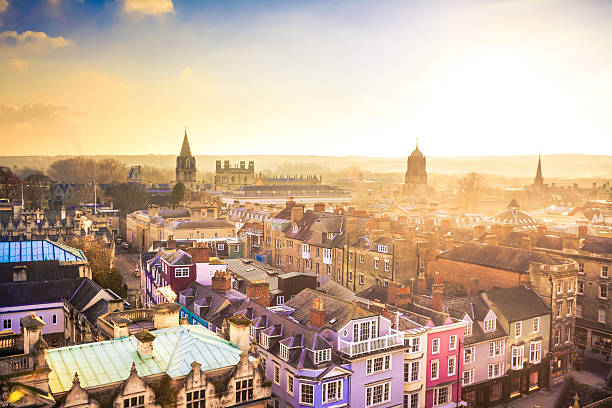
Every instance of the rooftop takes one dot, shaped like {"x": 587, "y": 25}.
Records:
{"x": 31, "y": 251}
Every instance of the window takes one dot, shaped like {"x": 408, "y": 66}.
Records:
{"x": 559, "y": 288}
{"x": 495, "y": 370}
{"x": 321, "y": 356}
{"x": 196, "y": 399}
{"x": 422, "y": 263}
{"x": 496, "y": 348}
{"x": 536, "y": 324}
{"x": 535, "y": 352}
{"x": 361, "y": 258}
{"x": 489, "y": 325}
{"x": 284, "y": 352}
{"x": 435, "y": 365}
{"x": 376, "y": 263}
{"x": 578, "y": 309}
{"x": 452, "y": 342}
{"x": 276, "y": 374}
{"x": 580, "y": 267}
{"x": 452, "y": 365}
{"x": 290, "y": 383}
{"x": 327, "y": 252}
{"x": 441, "y": 395}
{"x": 414, "y": 344}
{"x": 603, "y": 291}
{"x": 570, "y": 285}
{"x": 181, "y": 272}
{"x": 350, "y": 256}
{"x": 435, "y": 346}
{"x": 557, "y": 336}
{"x": 332, "y": 391}
{"x": 517, "y": 357}
{"x": 263, "y": 363}
{"x": 220, "y": 247}
{"x": 468, "y": 377}
{"x": 264, "y": 340}
{"x": 378, "y": 364}
{"x": 236, "y": 248}
{"x": 518, "y": 328}
{"x": 558, "y": 309}
{"x": 386, "y": 265}
{"x": 411, "y": 400}
{"x": 580, "y": 288}
{"x": 570, "y": 304}
{"x": 377, "y": 394}
{"x": 8, "y": 323}
{"x": 604, "y": 271}
{"x": 54, "y": 319}
{"x": 361, "y": 278}
{"x": 280, "y": 300}
{"x": 468, "y": 330}
{"x": 350, "y": 276}
{"x": 307, "y": 394}
{"x": 468, "y": 355}
{"x": 134, "y": 402}
{"x": 412, "y": 371}
{"x": 306, "y": 248}
{"x": 244, "y": 390}
{"x": 382, "y": 248}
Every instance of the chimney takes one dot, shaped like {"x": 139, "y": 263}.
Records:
{"x": 583, "y": 231}
{"x": 319, "y": 207}
{"x": 437, "y": 293}
{"x": 144, "y": 343}
{"x": 195, "y": 214}
{"x": 199, "y": 254}
{"x": 526, "y": 243}
{"x": 297, "y": 212}
{"x": 221, "y": 282}
{"x": 115, "y": 305}
{"x": 170, "y": 242}
{"x": 541, "y": 231}
{"x": 492, "y": 239}
{"x": 479, "y": 231}
{"x": 240, "y": 327}
{"x": 166, "y": 315}
{"x": 351, "y": 229}
{"x": 153, "y": 211}
{"x": 259, "y": 292}
{"x": 290, "y": 203}
{"x": 317, "y": 314}
{"x": 31, "y": 329}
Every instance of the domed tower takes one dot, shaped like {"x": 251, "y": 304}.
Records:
{"x": 416, "y": 172}
{"x": 186, "y": 166}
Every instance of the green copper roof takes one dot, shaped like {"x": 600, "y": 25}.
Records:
{"x": 105, "y": 362}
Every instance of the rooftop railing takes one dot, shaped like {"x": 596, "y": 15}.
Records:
{"x": 350, "y": 348}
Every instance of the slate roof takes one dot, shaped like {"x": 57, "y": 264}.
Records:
{"x": 36, "y": 292}
{"x": 476, "y": 309}
{"x": 250, "y": 270}
{"x": 598, "y": 245}
{"x": 517, "y": 303}
{"x": 512, "y": 259}
{"x": 314, "y": 227}
{"x": 335, "y": 289}
{"x": 338, "y": 312}
{"x": 185, "y": 224}
{"x": 375, "y": 293}
{"x": 106, "y": 362}
{"x": 219, "y": 306}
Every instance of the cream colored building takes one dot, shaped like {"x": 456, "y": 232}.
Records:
{"x": 157, "y": 224}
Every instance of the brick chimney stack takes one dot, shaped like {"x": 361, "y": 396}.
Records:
{"x": 221, "y": 282}
{"x": 259, "y": 292}
{"x": 317, "y": 314}
{"x": 583, "y": 231}
{"x": 437, "y": 293}
{"x": 297, "y": 212}
{"x": 319, "y": 207}
{"x": 398, "y": 295}
{"x": 170, "y": 242}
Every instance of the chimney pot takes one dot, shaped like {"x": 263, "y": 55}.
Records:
{"x": 317, "y": 314}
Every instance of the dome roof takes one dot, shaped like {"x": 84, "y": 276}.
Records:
{"x": 514, "y": 216}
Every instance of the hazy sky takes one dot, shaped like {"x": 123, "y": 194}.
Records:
{"x": 306, "y": 77}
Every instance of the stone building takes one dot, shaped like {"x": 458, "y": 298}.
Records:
{"x": 415, "y": 180}
{"x": 231, "y": 178}
{"x": 186, "y": 166}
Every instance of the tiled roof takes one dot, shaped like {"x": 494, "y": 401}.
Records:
{"x": 598, "y": 245}
{"x": 106, "y": 362}
{"x": 517, "y": 303}
{"x": 476, "y": 309}
{"x": 513, "y": 259}
{"x": 335, "y": 289}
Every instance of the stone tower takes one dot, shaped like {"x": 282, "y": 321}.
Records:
{"x": 539, "y": 180}
{"x": 415, "y": 181}
{"x": 186, "y": 166}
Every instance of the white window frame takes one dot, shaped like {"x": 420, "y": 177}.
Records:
{"x": 600, "y": 314}
{"x": 435, "y": 363}
{"x": 452, "y": 342}
{"x": 414, "y": 371}
{"x": 290, "y": 383}
{"x": 264, "y": 340}
{"x": 535, "y": 352}
{"x": 321, "y": 356}
{"x": 518, "y": 357}
{"x": 325, "y": 397}
{"x": 601, "y": 272}
{"x": 385, "y": 364}
{"x": 436, "y": 395}
{"x": 489, "y": 325}
{"x": 453, "y": 365}
{"x": 304, "y": 386}
{"x": 518, "y": 329}
{"x": 536, "y": 324}
{"x": 468, "y": 330}
{"x": 180, "y": 272}
{"x": 376, "y": 263}
{"x": 492, "y": 368}
{"x": 276, "y": 374}
{"x": 284, "y": 352}
{"x": 414, "y": 344}
{"x": 386, "y": 265}
{"x": 280, "y": 300}
{"x": 369, "y": 393}
{"x": 470, "y": 375}
{"x": 603, "y": 288}
{"x": 496, "y": 348}
{"x": 435, "y": 346}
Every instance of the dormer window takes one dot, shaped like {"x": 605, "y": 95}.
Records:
{"x": 264, "y": 340}
{"x": 284, "y": 352}
{"x": 382, "y": 248}
{"x": 320, "y": 356}
{"x": 295, "y": 228}
{"x": 253, "y": 332}
{"x": 468, "y": 330}
{"x": 489, "y": 325}
{"x": 330, "y": 235}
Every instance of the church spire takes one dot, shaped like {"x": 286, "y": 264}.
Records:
{"x": 539, "y": 180}
{"x": 185, "y": 150}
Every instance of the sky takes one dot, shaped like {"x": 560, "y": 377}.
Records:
{"x": 323, "y": 77}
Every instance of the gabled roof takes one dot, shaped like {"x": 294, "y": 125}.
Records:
{"x": 517, "y": 303}
{"x": 106, "y": 362}
{"x": 512, "y": 259}
{"x": 477, "y": 310}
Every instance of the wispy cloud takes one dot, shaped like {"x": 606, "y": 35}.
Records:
{"x": 32, "y": 40}
{"x": 148, "y": 7}
{"x": 18, "y": 64}
{"x": 185, "y": 73}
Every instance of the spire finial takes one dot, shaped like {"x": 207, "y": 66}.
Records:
{"x": 417, "y": 142}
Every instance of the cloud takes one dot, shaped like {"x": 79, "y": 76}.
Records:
{"x": 3, "y": 5}
{"x": 18, "y": 64}
{"x": 148, "y": 7}
{"x": 32, "y": 40}
{"x": 185, "y": 73}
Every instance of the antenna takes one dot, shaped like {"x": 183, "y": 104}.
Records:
{"x": 95, "y": 198}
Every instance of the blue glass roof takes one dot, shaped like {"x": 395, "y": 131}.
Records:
{"x": 29, "y": 251}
